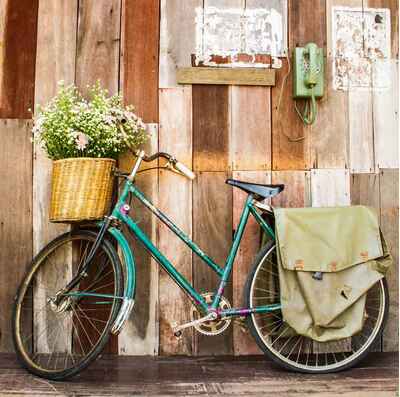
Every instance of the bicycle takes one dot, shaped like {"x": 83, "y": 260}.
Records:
{"x": 61, "y": 325}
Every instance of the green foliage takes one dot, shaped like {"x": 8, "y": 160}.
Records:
{"x": 71, "y": 126}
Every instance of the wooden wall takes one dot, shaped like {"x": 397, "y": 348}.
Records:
{"x": 348, "y": 156}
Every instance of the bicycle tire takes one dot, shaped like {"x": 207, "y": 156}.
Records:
{"x": 271, "y": 353}
{"x": 38, "y": 260}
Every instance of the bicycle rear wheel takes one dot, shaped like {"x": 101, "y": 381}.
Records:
{"x": 56, "y": 340}
{"x": 296, "y": 352}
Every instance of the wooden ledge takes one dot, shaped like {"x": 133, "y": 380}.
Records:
{"x": 231, "y": 76}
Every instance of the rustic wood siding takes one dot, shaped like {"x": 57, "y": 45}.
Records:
{"x": 15, "y": 216}
{"x": 18, "y": 53}
{"x": 139, "y": 75}
{"x": 55, "y": 61}
{"x": 350, "y": 154}
{"x": 175, "y": 137}
{"x": 140, "y": 56}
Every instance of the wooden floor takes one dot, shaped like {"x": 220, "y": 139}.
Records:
{"x": 207, "y": 376}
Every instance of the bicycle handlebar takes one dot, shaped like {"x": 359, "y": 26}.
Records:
{"x": 178, "y": 166}
{"x": 184, "y": 170}
{"x": 154, "y": 156}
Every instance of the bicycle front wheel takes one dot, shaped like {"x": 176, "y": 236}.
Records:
{"x": 56, "y": 339}
{"x": 296, "y": 352}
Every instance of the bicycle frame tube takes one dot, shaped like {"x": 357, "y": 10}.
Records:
{"x": 224, "y": 273}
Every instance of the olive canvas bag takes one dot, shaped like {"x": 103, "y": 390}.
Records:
{"x": 328, "y": 258}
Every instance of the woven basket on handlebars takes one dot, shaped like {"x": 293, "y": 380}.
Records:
{"x": 81, "y": 189}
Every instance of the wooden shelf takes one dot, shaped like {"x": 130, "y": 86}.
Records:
{"x": 230, "y": 76}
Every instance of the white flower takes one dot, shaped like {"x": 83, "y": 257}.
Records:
{"x": 108, "y": 119}
{"x": 37, "y": 128}
{"x": 82, "y": 141}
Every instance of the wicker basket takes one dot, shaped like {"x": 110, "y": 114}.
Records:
{"x": 81, "y": 189}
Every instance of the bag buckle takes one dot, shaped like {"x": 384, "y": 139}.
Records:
{"x": 317, "y": 276}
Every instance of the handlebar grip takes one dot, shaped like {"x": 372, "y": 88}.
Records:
{"x": 184, "y": 170}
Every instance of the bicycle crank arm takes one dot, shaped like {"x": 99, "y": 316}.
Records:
{"x": 177, "y": 329}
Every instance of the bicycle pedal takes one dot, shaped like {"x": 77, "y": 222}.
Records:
{"x": 177, "y": 333}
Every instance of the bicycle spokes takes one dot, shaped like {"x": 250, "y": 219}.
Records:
{"x": 59, "y": 329}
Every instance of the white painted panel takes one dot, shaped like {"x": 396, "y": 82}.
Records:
{"x": 361, "y": 139}
{"x": 385, "y": 113}
{"x": 228, "y": 32}
{"x": 177, "y": 38}
{"x": 359, "y": 38}
{"x": 330, "y": 187}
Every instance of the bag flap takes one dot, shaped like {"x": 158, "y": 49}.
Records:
{"x": 327, "y": 239}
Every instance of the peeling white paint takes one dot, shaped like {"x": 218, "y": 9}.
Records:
{"x": 360, "y": 38}
{"x": 232, "y": 33}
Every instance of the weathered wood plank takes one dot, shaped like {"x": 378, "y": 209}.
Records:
{"x": 141, "y": 42}
{"x": 330, "y": 188}
{"x": 177, "y": 38}
{"x": 3, "y": 17}
{"x": 393, "y": 6}
{"x": 98, "y": 44}
{"x": 389, "y": 198}
{"x": 139, "y": 79}
{"x": 140, "y": 334}
{"x": 328, "y": 138}
{"x": 237, "y": 76}
{"x": 18, "y": 54}
{"x": 176, "y": 139}
{"x": 289, "y": 151}
{"x": 243, "y": 342}
{"x": 211, "y": 125}
{"x": 176, "y": 123}
{"x": 211, "y": 117}
{"x": 290, "y": 137}
{"x": 55, "y": 61}
{"x": 361, "y": 140}
{"x": 364, "y": 190}
{"x": 297, "y": 189}
{"x": 15, "y": 216}
{"x": 98, "y": 54}
{"x": 212, "y": 230}
{"x": 251, "y": 128}
{"x": 301, "y": 32}
{"x": 386, "y": 115}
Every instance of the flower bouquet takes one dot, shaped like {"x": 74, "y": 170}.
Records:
{"x": 84, "y": 137}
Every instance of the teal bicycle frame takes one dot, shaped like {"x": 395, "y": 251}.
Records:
{"x": 120, "y": 214}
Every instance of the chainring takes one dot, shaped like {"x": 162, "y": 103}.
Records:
{"x": 212, "y": 327}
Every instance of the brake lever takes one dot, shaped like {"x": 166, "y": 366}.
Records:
{"x": 169, "y": 165}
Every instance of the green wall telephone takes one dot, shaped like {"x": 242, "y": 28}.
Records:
{"x": 308, "y": 79}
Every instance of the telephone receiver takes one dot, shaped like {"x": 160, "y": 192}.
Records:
{"x": 308, "y": 79}
{"x": 311, "y": 58}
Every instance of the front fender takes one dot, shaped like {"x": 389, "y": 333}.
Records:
{"x": 130, "y": 282}
{"x": 129, "y": 263}
{"x": 130, "y": 279}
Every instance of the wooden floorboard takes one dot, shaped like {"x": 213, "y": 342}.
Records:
{"x": 377, "y": 376}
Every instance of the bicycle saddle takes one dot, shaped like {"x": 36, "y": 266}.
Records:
{"x": 258, "y": 190}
